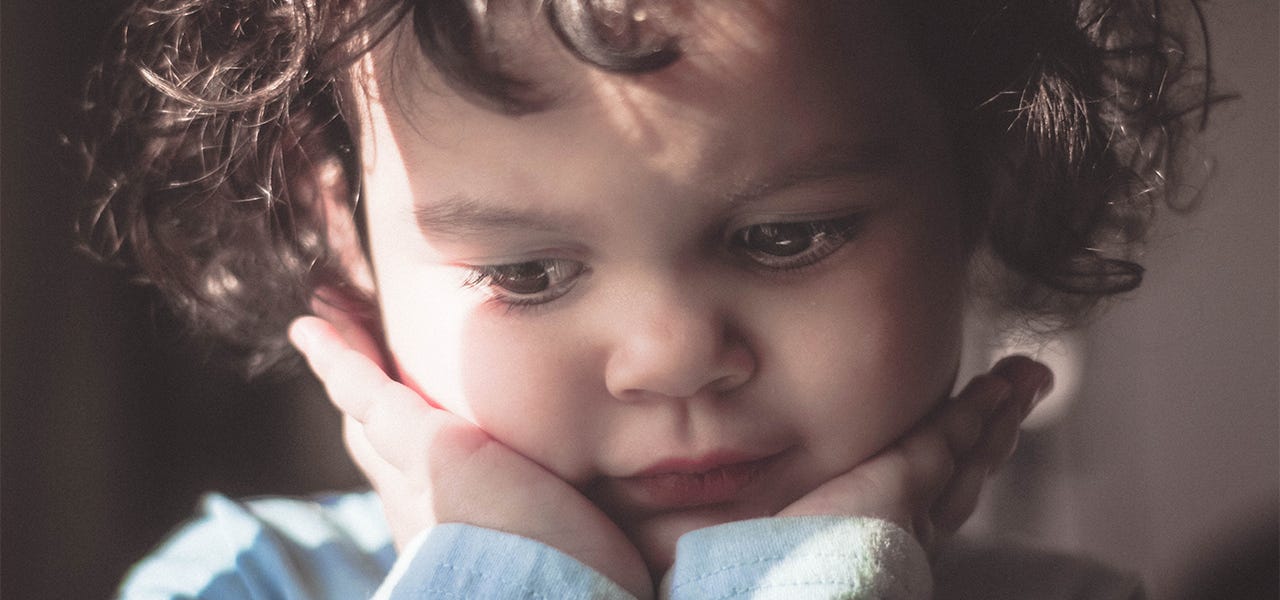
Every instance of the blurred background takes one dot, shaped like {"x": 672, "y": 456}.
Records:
{"x": 1161, "y": 455}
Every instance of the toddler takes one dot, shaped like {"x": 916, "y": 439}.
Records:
{"x": 627, "y": 298}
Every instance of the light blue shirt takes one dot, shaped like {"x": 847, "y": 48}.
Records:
{"x": 339, "y": 547}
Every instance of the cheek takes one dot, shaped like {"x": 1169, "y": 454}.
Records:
{"x": 422, "y": 322}
{"x": 877, "y": 352}
{"x": 509, "y": 371}
{"x": 516, "y": 385}
{"x": 526, "y": 384}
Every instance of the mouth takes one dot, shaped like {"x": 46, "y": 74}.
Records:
{"x": 692, "y": 482}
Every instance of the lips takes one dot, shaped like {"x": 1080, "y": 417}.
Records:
{"x": 680, "y": 483}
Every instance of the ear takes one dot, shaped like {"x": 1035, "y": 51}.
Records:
{"x": 351, "y": 306}
{"x": 360, "y": 329}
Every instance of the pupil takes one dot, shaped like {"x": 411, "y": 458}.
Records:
{"x": 524, "y": 278}
{"x": 780, "y": 239}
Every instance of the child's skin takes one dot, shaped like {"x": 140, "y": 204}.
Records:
{"x": 672, "y": 333}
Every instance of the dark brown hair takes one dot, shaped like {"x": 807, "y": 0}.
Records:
{"x": 210, "y": 121}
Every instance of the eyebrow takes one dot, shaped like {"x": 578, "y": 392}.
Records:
{"x": 867, "y": 158}
{"x": 461, "y": 215}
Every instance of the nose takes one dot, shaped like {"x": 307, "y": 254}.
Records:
{"x": 674, "y": 348}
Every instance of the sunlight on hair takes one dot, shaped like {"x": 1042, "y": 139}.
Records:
{"x": 725, "y": 52}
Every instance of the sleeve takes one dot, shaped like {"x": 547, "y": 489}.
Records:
{"x": 268, "y": 548}
{"x": 800, "y": 557}
{"x": 455, "y": 560}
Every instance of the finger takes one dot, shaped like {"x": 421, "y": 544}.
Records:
{"x": 398, "y": 423}
{"x": 406, "y": 496}
{"x": 958, "y": 501}
{"x": 982, "y": 427}
{"x": 945, "y": 476}
{"x": 402, "y": 497}
{"x": 377, "y": 470}
{"x": 352, "y": 323}
{"x": 1001, "y": 437}
{"x": 981, "y": 420}
{"x": 924, "y": 531}
{"x": 965, "y": 417}
{"x": 1031, "y": 380}
{"x": 984, "y": 419}
{"x": 351, "y": 378}
{"x": 401, "y": 427}
{"x": 985, "y": 393}
{"x": 929, "y": 463}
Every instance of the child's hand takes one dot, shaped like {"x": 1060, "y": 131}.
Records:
{"x": 430, "y": 466}
{"x": 929, "y": 480}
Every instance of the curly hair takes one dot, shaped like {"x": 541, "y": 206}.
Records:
{"x": 210, "y": 123}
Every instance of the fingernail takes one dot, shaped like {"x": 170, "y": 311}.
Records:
{"x": 301, "y": 335}
{"x": 1046, "y": 381}
{"x": 1043, "y": 387}
{"x": 1003, "y": 366}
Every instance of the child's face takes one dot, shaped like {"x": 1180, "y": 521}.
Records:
{"x": 752, "y": 258}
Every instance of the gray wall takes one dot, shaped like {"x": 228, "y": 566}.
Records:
{"x": 1166, "y": 458}
{"x": 1177, "y": 435}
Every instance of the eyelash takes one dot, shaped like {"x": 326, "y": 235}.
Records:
{"x": 559, "y": 276}
{"x": 821, "y": 239}
{"x": 555, "y": 277}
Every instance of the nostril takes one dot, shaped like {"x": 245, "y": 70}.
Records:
{"x": 672, "y": 376}
{"x": 672, "y": 347}
{"x": 726, "y": 383}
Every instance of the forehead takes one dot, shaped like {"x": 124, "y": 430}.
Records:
{"x": 760, "y": 84}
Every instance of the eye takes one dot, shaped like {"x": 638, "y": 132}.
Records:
{"x": 782, "y": 246}
{"x": 526, "y": 283}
